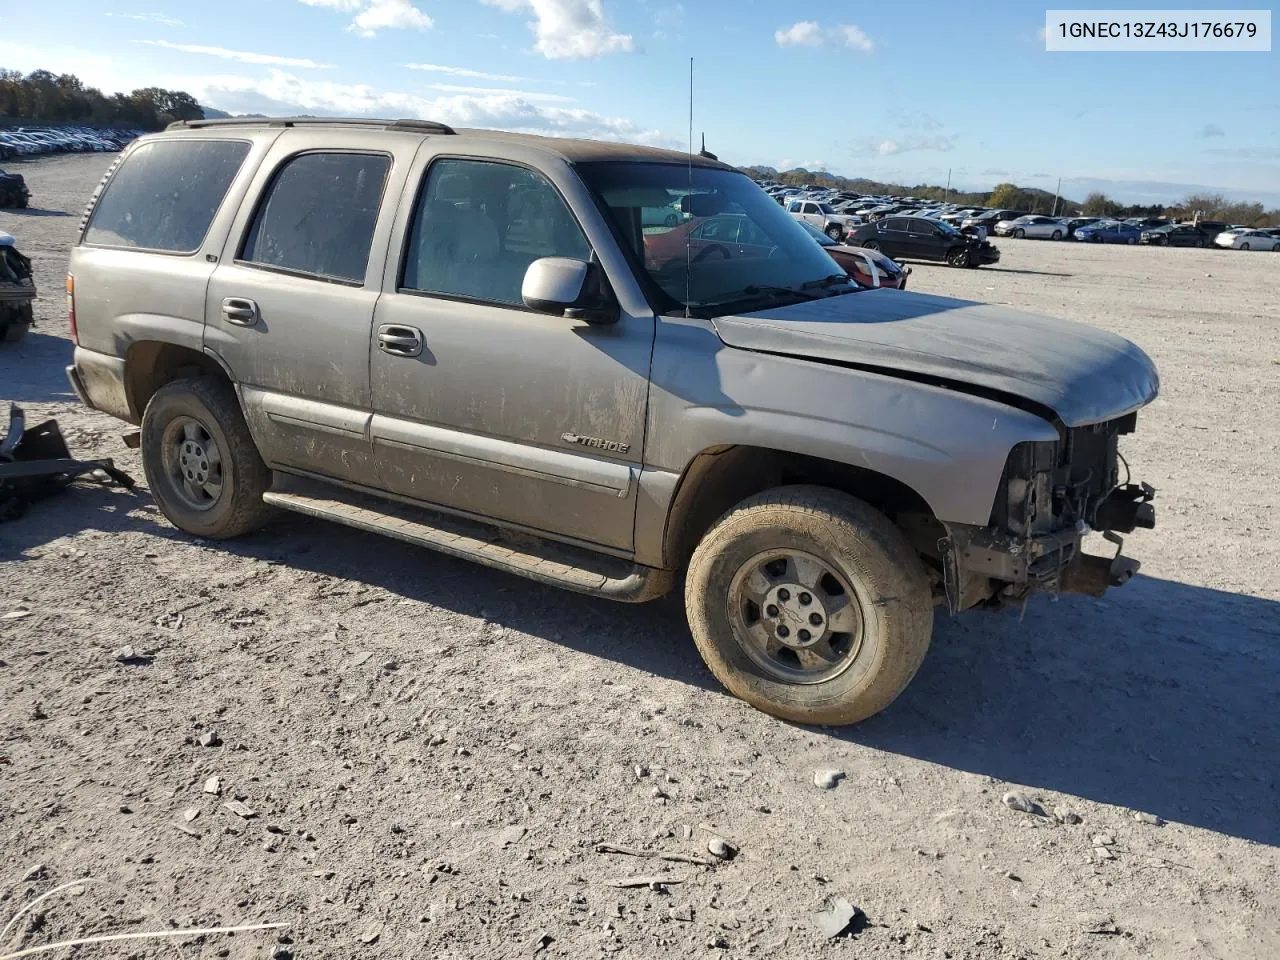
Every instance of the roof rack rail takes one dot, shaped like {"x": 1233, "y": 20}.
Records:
{"x": 417, "y": 126}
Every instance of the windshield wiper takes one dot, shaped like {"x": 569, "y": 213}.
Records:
{"x": 755, "y": 290}
{"x": 828, "y": 281}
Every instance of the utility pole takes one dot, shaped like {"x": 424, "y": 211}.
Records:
{"x": 1056, "y": 194}
{"x": 946, "y": 195}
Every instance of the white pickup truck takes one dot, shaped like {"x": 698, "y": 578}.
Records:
{"x": 821, "y": 215}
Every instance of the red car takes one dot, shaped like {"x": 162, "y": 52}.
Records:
{"x": 853, "y": 260}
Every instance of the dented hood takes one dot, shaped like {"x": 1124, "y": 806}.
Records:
{"x": 1082, "y": 374}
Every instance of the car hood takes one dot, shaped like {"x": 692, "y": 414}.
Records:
{"x": 1084, "y": 375}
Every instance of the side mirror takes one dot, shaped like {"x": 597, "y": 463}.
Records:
{"x": 564, "y": 287}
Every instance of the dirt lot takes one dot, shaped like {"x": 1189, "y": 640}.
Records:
{"x": 433, "y": 750}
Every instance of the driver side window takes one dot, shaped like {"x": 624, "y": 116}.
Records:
{"x": 477, "y": 227}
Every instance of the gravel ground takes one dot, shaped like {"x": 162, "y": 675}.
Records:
{"x": 434, "y": 750}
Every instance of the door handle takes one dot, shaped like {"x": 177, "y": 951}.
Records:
{"x": 240, "y": 311}
{"x": 400, "y": 341}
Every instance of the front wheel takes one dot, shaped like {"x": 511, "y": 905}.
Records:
{"x": 958, "y": 258}
{"x": 1019, "y": 234}
{"x": 1244, "y": 246}
{"x": 1131, "y": 241}
{"x": 809, "y": 605}
{"x": 201, "y": 463}
{"x": 1057, "y": 235}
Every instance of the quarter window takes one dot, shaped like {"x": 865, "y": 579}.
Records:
{"x": 165, "y": 195}
{"x": 477, "y": 227}
{"x": 318, "y": 216}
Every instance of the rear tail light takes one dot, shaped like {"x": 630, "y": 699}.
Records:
{"x": 71, "y": 309}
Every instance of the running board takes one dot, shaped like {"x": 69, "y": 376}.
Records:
{"x": 552, "y": 563}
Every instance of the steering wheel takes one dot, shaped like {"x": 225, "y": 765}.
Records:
{"x": 706, "y": 253}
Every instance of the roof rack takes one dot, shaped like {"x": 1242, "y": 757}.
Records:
{"x": 415, "y": 126}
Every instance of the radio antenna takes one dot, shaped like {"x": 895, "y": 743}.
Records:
{"x": 688, "y": 247}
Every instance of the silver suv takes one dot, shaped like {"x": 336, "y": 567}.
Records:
{"x": 492, "y": 345}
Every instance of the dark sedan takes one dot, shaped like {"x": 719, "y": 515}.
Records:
{"x": 1175, "y": 235}
{"x": 919, "y": 238}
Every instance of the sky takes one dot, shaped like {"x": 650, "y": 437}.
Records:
{"x": 902, "y": 91}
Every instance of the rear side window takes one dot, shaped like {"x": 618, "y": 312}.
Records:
{"x": 165, "y": 195}
{"x": 318, "y": 215}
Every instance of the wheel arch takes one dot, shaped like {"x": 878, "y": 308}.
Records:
{"x": 719, "y": 478}
{"x": 150, "y": 364}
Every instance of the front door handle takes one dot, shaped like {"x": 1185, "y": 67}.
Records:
{"x": 240, "y": 311}
{"x": 400, "y": 341}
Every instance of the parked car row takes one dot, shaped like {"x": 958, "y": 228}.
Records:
{"x": 37, "y": 141}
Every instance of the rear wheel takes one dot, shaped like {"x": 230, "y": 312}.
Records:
{"x": 871, "y": 245}
{"x": 201, "y": 463}
{"x": 671, "y": 220}
{"x": 835, "y": 232}
{"x": 809, "y": 605}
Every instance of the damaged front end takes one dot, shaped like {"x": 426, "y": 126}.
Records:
{"x": 1051, "y": 494}
{"x": 35, "y": 462}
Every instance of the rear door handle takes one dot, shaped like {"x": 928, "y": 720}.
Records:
{"x": 400, "y": 341}
{"x": 240, "y": 311}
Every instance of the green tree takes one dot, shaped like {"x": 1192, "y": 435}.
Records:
{"x": 1005, "y": 195}
{"x": 1100, "y": 205}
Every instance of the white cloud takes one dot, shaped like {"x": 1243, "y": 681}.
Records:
{"x": 569, "y": 29}
{"x": 855, "y": 39}
{"x": 890, "y": 147}
{"x": 389, "y": 15}
{"x": 809, "y": 33}
{"x": 502, "y": 92}
{"x": 806, "y": 33}
{"x": 374, "y": 15}
{"x": 240, "y": 55}
{"x": 157, "y": 18}
{"x": 282, "y": 93}
{"x": 464, "y": 72}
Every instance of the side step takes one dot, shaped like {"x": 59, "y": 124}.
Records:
{"x": 556, "y": 564}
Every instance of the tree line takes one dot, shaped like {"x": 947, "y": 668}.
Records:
{"x": 1035, "y": 200}
{"x": 45, "y": 97}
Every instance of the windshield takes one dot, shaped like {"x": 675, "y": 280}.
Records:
{"x": 946, "y": 228}
{"x": 817, "y": 234}
{"x": 736, "y": 249}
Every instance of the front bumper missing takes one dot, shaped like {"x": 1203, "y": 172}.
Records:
{"x": 982, "y": 564}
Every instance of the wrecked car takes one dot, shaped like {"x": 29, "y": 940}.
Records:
{"x": 17, "y": 291}
{"x": 465, "y": 339}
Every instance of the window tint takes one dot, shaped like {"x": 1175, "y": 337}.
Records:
{"x": 811, "y": 208}
{"x": 918, "y": 225}
{"x": 895, "y": 223}
{"x": 478, "y": 225}
{"x": 165, "y": 195}
{"x": 318, "y": 215}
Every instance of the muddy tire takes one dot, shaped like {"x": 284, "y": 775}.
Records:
{"x": 809, "y": 605}
{"x": 201, "y": 463}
